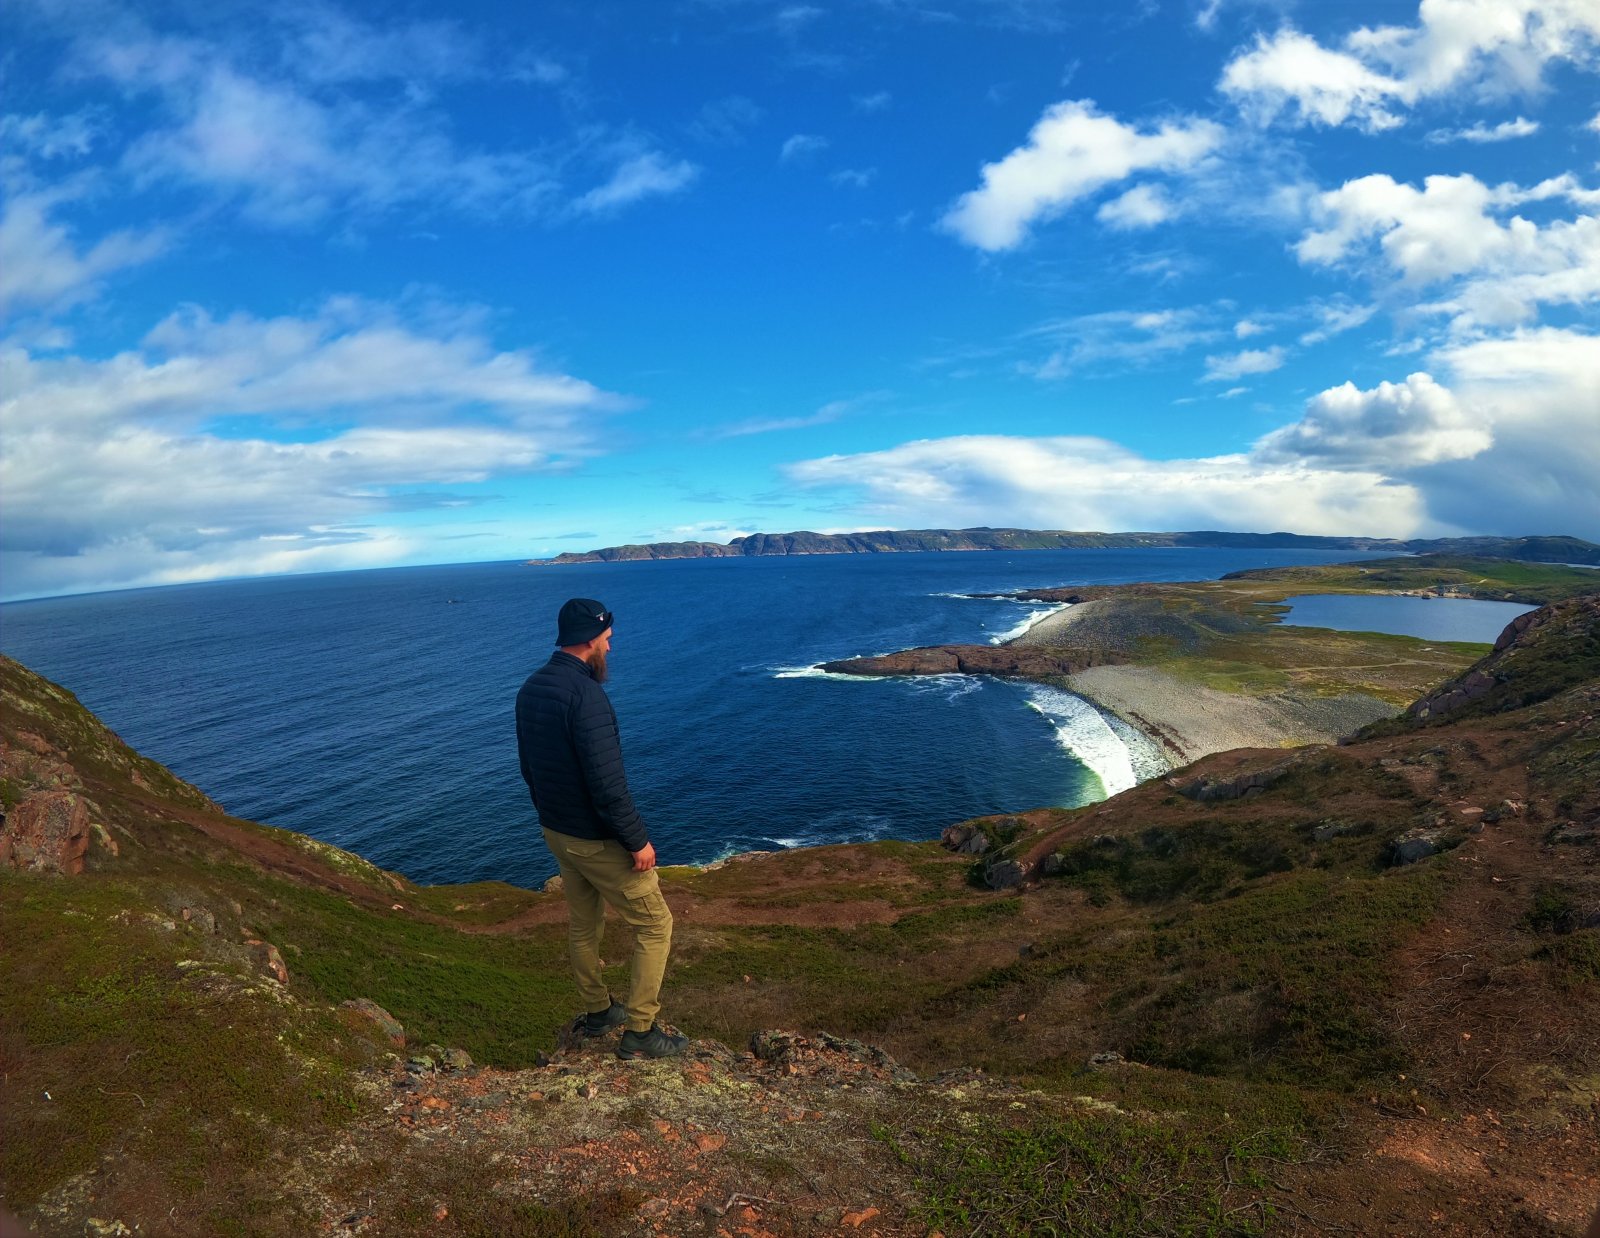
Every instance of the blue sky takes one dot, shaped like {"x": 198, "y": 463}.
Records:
{"x": 312, "y": 286}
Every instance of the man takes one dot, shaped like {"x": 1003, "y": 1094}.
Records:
{"x": 572, "y": 762}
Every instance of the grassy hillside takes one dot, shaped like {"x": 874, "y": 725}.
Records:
{"x": 1220, "y": 1003}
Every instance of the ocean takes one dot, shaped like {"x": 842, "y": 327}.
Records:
{"x": 373, "y": 709}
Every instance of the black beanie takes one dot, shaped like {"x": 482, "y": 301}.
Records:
{"x": 581, "y": 620}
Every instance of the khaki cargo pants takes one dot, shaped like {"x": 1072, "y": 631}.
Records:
{"x": 597, "y": 872}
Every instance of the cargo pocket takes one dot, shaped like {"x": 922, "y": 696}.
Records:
{"x": 584, "y": 848}
{"x": 645, "y": 903}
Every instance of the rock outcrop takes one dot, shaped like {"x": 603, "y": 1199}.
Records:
{"x": 1004, "y": 661}
{"x": 1538, "y": 655}
{"x": 47, "y": 832}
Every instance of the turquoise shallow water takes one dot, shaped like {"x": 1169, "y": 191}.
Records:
{"x": 374, "y": 709}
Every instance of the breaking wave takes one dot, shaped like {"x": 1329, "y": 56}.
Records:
{"x": 1033, "y": 617}
{"x": 1119, "y": 755}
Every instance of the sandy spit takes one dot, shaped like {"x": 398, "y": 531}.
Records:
{"x": 1189, "y": 721}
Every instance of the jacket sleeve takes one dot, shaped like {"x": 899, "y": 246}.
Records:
{"x": 600, "y": 758}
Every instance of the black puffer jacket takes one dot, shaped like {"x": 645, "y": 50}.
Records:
{"x": 571, "y": 757}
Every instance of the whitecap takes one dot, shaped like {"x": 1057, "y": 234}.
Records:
{"x": 814, "y": 672}
{"x": 1105, "y": 749}
{"x": 1032, "y": 618}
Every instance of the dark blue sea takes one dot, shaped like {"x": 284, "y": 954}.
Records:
{"x": 373, "y": 709}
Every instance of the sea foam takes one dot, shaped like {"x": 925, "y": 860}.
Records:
{"x": 1117, "y": 754}
{"x": 1032, "y": 617}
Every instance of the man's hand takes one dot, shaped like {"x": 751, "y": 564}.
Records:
{"x": 644, "y": 861}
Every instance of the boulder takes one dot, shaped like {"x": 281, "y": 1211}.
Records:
{"x": 48, "y": 832}
{"x": 1415, "y": 845}
{"x": 965, "y": 839}
{"x": 365, "y": 1010}
{"x": 1005, "y": 874}
{"x": 553, "y": 886}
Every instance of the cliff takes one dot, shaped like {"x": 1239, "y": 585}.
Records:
{"x": 887, "y": 541}
{"x": 1351, "y": 988}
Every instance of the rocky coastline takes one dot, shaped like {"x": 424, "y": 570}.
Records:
{"x": 1203, "y": 667}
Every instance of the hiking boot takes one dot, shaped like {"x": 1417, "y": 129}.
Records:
{"x": 654, "y": 1043}
{"x": 601, "y": 1022}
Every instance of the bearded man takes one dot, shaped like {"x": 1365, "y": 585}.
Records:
{"x": 572, "y": 762}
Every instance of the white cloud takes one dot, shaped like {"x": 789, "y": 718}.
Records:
{"x": 1124, "y": 338}
{"x": 801, "y": 146}
{"x": 1071, "y": 152}
{"x": 1323, "y": 87}
{"x": 1539, "y": 392}
{"x": 829, "y": 412}
{"x": 291, "y": 153}
{"x": 1494, "y": 46}
{"x": 642, "y": 176}
{"x": 41, "y": 266}
{"x": 1451, "y": 230}
{"x": 326, "y": 44}
{"x": 1089, "y": 483}
{"x": 1594, "y": 123}
{"x": 1337, "y": 318}
{"x": 877, "y": 101}
{"x": 1143, "y": 206}
{"x": 220, "y": 440}
{"x": 1481, "y": 133}
{"x": 1245, "y": 328}
{"x": 319, "y": 130}
{"x": 854, "y": 178}
{"x": 1237, "y": 365}
{"x": 50, "y": 137}
{"x": 1394, "y": 426}
{"x": 1508, "y": 447}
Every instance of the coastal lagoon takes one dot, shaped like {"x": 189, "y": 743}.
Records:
{"x": 1428, "y": 618}
{"x": 373, "y": 710}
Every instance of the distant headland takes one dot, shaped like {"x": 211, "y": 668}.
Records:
{"x": 893, "y": 541}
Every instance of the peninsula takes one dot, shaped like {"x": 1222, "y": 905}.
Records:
{"x": 893, "y": 541}
{"x": 1202, "y": 667}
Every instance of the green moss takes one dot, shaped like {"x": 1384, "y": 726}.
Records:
{"x": 1093, "y": 1173}
{"x": 112, "y": 1046}
{"x": 499, "y": 996}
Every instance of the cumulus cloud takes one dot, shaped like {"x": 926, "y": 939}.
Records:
{"x": 1292, "y": 71}
{"x": 226, "y": 441}
{"x": 1506, "y": 446}
{"x": 1538, "y": 390}
{"x": 1143, "y": 206}
{"x": 1392, "y": 426}
{"x": 1072, "y": 151}
{"x": 1227, "y": 367}
{"x": 1455, "y": 45}
{"x": 1456, "y": 228}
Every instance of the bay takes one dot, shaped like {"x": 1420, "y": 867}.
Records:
{"x": 373, "y": 709}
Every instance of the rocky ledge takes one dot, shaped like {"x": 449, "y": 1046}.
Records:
{"x": 1006, "y": 661}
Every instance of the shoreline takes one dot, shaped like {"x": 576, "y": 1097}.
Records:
{"x": 1186, "y": 721}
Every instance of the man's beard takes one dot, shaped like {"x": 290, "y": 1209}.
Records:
{"x": 597, "y": 664}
